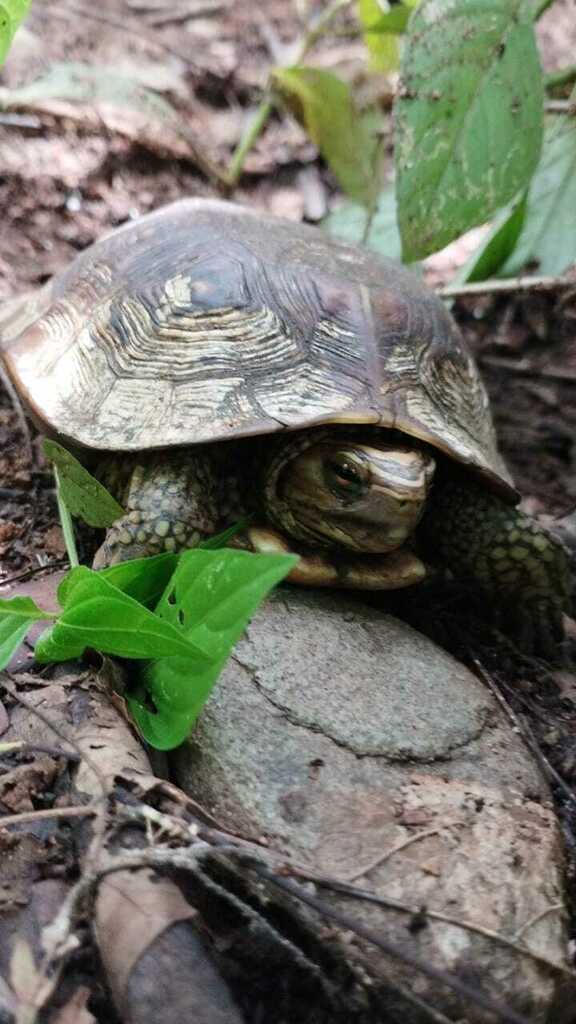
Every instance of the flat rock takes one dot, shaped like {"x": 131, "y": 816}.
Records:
{"x": 360, "y": 749}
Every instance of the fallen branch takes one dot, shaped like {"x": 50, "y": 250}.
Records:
{"x": 505, "y": 285}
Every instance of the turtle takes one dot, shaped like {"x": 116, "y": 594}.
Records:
{"x": 214, "y": 361}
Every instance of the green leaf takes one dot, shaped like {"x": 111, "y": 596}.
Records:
{"x": 211, "y": 598}
{"x": 548, "y": 236}
{"x": 84, "y": 496}
{"x": 381, "y": 41}
{"x": 324, "y": 106}
{"x": 374, "y": 20}
{"x": 144, "y": 579}
{"x": 220, "y": 540}
{"x": 16, "y": 616}
{"x": 98, "y": 615}
{"x": 468, "y": 117}
{"x": 491, "y": 255}
{"x": 349, "y": 222}
{"x": 12, "y": 12}
{"x": 381, "y": 31}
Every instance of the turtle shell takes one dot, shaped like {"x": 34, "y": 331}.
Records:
{"x": 205, "y": 321}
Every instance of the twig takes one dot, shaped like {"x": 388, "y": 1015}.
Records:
{"x": 17, "y": 406}
{"x": 523, "y": 730}
{"x": 187, "y": 859}
{"x": 552, "y": 909}
{"x": 54, "y": 812}
{"x": 35, "y": 570}
{"x": 512, "y": 284}
{"x": 560, "y": 107}
{"x": 22, "y": 747}
{"x": 383, "y": 857}
{"x": 436, "y": 915}
{"x": 412, "y": 960}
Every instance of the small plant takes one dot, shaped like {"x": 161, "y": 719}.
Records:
{"x": 180, "y": 613}
{"x": 471, "y": 139}
{"x": 12, "y": 13}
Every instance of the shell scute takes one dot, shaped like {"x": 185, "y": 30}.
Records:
{"x": 204, "y": 321}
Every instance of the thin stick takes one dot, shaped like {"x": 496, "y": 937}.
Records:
{"x": 560, "y": 107}
{"x": 391, "y": 903}
{"x": 358, "y": 928}
{"x": 521, "y": 728}
{"x": 55, "y": 812}
{"x": 504, "y": 285}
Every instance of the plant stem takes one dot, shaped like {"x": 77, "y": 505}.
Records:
{"x": 266, "y": 106}
{"x": 541, "y": 6}
{"x": 562, "y": 77}
{"x": 249, "y": 138}
{"x": 67, "y": 527}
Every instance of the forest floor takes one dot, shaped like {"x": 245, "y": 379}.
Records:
{"x": 71, "y": 170}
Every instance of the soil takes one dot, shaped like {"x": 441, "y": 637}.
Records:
{"x": 70, "y": 172}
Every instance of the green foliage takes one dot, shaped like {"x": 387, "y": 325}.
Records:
{"x": 548, "y": 236}
{"x": 381, "y": 31}
{"x": 353, "y": 223}
{"x": 12, "y": 13}
{"x": 203, "y": 601}
{"x": 325, "y": 106}
{"x": 16, "y": 617}
{"x": 210, "y": 598}
{"x": 492, "y": 254}
{"x": 97, "y": 614}
{"x": 468, "y": 117}
{"x": 85, "y": 497}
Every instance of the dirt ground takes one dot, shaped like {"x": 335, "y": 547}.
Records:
{"x": 69, "y": 172}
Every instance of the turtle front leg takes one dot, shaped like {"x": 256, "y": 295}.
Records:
{"x": 170, "y": 502}
{"x": 521, "y": 568}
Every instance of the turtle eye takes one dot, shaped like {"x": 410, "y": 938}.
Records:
{"x": 346, "y": 476}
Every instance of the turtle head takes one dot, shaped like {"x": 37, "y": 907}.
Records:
{"x": 348, "y": 493}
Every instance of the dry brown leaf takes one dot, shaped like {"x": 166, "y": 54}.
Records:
{"x": 19, "y": 786}
{"x": 132, "y": 909}
{"x": 24, "y": 976}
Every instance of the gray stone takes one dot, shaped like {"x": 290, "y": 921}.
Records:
{"x": 359, "y": 748}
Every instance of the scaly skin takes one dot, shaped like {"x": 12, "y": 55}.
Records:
{"x": 174, "y": 501}
{"x": 171, "y": 502}
{"x": 523, "y": 571}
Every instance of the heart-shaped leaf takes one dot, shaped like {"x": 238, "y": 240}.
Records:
{"x": 468, "y": 117}
{"x": 84, "y": 496}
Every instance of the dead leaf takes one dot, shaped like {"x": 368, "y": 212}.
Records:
{"x": 21, "y": 785}
{"x": 24, "y": 976}
{"x": 132, "y": 909}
